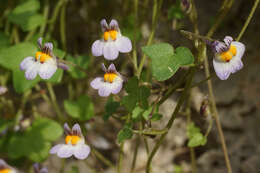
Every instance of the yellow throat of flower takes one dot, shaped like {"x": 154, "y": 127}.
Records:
{"x": 228, "y": 55}
{"x": 5, "y": 170}
{"x": 109, "y": 77}
{"x": 42, "y": 56}
{"x": 112, "y": 34}
{"x": 72, "y": 139}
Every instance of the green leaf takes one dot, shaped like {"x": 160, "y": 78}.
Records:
{"x": 11, "y": 57}
{"x": 82, "y": 61}
{"x": 184, "y": 56}
{"x": 81, "y": 109}
{"x": 156, "y": 117}
{"x": 129, "y": 102}
{"x": 34, "y": 143}
{"x": 192, "y": 130}
{"x": 196, "y": 138}
{"x": 25, "y": 15}
{"x": 111, "y": 107}
{"x": 137, "y": 112}
{"x": 125, "y": 133}
{"x": 4, "y": 41}
{"x": 132, "y": 86}
{"x": 147, "y": 113}
{"x": 144, "y": 93}
{"x": 163, "y": 63}
{"x": 135, "y": 94}
{"x": 175, "y": 12}
{"x": 49, "y": 130}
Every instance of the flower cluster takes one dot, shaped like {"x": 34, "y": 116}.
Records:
{"x": 74, "y": 144}
{"x": 110, "y": 45}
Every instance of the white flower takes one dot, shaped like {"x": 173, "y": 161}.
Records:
{"x": 112, "y": 82}
{"x": 112, "y": 42}
{"x": 228, "y": 57}
{"x": 44, "y": 63}
{"x": 74, "y": 144}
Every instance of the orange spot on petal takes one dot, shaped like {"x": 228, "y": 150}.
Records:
{"x": 110, "y": 77}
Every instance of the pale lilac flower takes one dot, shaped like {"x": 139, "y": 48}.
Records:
{"x": 74, "y": 144}
{"x": 228, "y": 55}
{"x": 5, "y": 168}
{"x": 38, "y": 169}
{"x": 3, "y": 90}
{"x": 112, "y": 82}
{"x": 44, "y": 63}
{"x": 112, "y": 42}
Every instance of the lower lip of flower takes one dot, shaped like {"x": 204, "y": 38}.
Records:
{"x": 228, "y": 55}
{"x": 110, "y": 77}
{"x": 42, "y": 56}
{"x": 5, "y": 171}
{"x": 112, "y": 34}
{"x": 71, "y": 139}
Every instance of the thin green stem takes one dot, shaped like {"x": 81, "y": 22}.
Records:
{"x": 174, "y": 114}
{"x": 135, "y": 154}
{"x": 120, "y": 160}
{"x": 173, "y": 88}
{"x": 54, "y": 18}
{"x": 46, "y": 10}
{"x": 102, "y": 158}
{"x": 63, "y": 25}
{"x": 135, "y": 31}
{"x": 226, "y": 5}
{"x": 54, "y": 101}
{"x": 248, "y": 20}
{"x": 156, "y": 7}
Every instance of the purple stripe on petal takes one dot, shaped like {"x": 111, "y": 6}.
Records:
{"x": 110, "y": 51}
{"x": 76, "y": 130}
{"x": 104, "y": 25}
{"x": 67, "y": 129}
{"x": 39, "y": 42}
{"x": 97, "y": 48}
{"x": 228, "y": 40}
{"x": 97, "y": 83}
{"x": 103, "y": 67}
{"x": 111, "y": 68}
{"x": 114, "y": 25}
{"x": 123, "y": 44}
{"x": 82, "y": 151}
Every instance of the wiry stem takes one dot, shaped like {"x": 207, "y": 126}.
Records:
{"x": 248, "y": 20}
{"x": 174, "y": 114}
